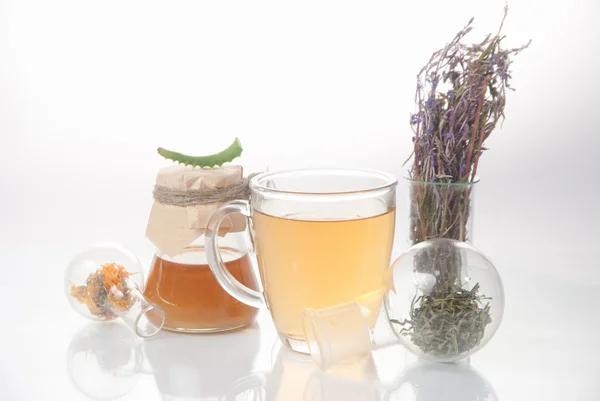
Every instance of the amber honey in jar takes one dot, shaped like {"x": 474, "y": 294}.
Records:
{"x": 192, "y": 298}
{"x": 180, "y": 280}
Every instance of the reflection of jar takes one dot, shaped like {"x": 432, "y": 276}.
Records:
{"x": 180, "y": 280}
{"x": 188, "y": 368}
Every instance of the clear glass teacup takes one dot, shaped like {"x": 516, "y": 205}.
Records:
{"x": 321, "y": 237}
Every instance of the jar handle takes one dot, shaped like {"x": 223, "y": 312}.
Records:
{"x": 215, "y": 261}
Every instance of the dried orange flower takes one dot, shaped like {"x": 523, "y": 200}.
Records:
{"x": 105, "y": 291}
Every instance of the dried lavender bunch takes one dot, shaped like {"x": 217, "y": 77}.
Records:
{"x": 461, "y": 93}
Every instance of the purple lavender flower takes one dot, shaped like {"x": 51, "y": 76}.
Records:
{"x": 415, "y": 118}
{"x": 446, "y": 122}
{"x": 431, "y": 103}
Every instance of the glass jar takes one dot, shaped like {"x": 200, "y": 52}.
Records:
{"x": 180, "y": 281}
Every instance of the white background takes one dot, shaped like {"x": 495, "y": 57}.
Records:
{"x": 89, "y": 90}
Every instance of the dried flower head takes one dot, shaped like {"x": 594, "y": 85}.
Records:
{"x": 461, "y": 93}
{"x": 105, "y": 291}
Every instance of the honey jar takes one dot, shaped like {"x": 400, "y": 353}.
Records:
{"x": 180, "y": 280}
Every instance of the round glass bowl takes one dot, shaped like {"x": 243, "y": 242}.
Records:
{"x": 105, "y": 282}
{"x": 444, "y": 299}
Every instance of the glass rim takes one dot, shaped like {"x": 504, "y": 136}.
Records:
{"x": 450, "y": 184}
{"x": 390, "y": 181}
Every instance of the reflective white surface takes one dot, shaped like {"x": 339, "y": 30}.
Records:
{"x": 546, "y": 349}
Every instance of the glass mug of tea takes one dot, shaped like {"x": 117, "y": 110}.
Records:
{"x": 321, "y": 237}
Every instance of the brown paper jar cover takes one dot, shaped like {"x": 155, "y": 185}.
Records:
{"x": 172, "y": 228}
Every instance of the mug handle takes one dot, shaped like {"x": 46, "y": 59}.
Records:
{"x": 215, "y": 261}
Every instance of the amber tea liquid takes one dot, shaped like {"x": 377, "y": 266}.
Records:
{"x": 318, "y": 264}
{"x": 192, "y": 298}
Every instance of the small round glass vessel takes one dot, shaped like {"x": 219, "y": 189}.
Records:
{"x": 194, "y": 302}
{"x": 105, "y": 282}
{"x": 446, "y": 299}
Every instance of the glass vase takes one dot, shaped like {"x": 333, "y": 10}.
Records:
{"x": 440, "y": 210}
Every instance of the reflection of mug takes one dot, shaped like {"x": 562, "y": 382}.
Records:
{"x": 294, "y": 377}
{"x": 286, "y": 381}
{"x": 326, "y": 387}
{"x": 322, "y": 237}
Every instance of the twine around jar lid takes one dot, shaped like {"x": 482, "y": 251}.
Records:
{"x": 184, "y": 200}
{"x": 190, "y": 197}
